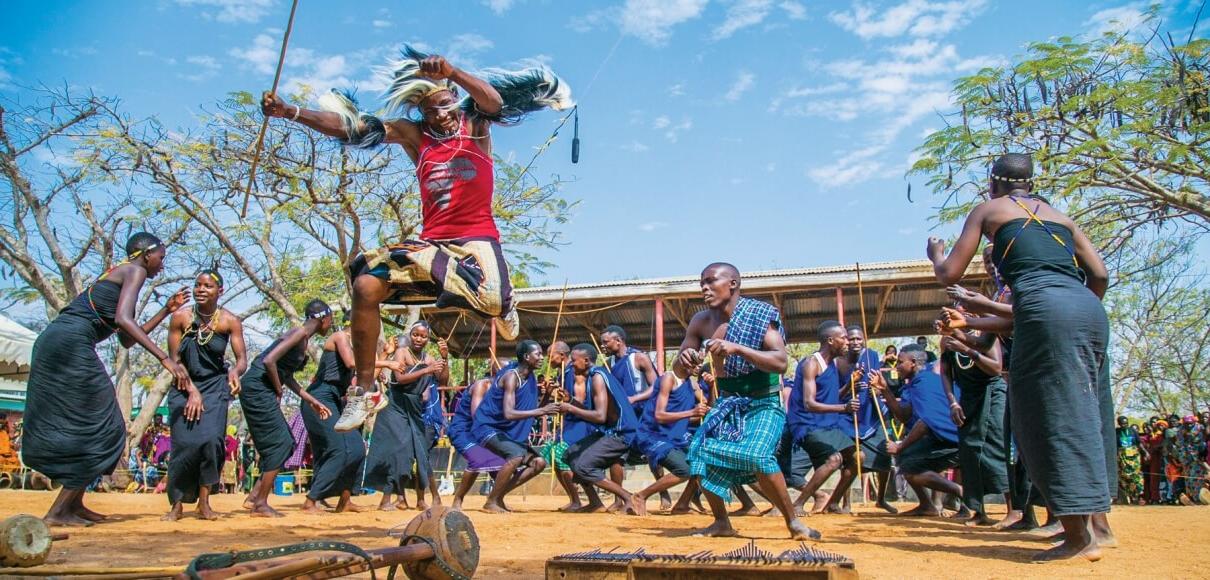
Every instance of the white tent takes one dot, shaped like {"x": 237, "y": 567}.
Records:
{"x": 16, "y": 352}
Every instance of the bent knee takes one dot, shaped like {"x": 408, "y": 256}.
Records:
{"x": 370, "y": 288}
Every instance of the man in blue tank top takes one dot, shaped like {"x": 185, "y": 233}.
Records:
{"x": 931, "y": 445}
{"x": 823, "y": 425}
{"x": 591, "y": 457}
{"x": 638, "y": 376}
{"x": 504, "y": 420}
{"x": 860, "y": 363}
{"x": 664, "y": 433}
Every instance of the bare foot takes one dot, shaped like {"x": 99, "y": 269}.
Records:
{"x": 592, "y": 508}
{"x": 313, "y": 509}
{"x": 67, "y": 520}
{"x": 571, "y": 507}
{"x": 750, "y": 510}
{"x": 1009, "y": 520}
{"x": 349, "y": 507}
{"x": 494, "y": 508}
{"x": 457, "y": 505}
{"x": 173, "y": 515}
{"x": 820, "y": 502}
{"x": 1021, "y": 525}
{"x": 421, "y": 505}
{"x": 835, "y": 509}
{"x": 249, "y": 504}
{"x": 665, "y": 502}
{"x": 718, "y": 529}
{"x": 265, "y": 511}
{"x": 1051, "y": 530}
{"x": 679, "y": 510}
{"x": 638, "y": 505}
{"x": 206, "y": 513}
{"x": 1067, "y": 550}
{"x": 888, "y": 508}
{"x": 402, "y": 506}
{"x": 921, "y": 512}
{"x": 979, "y": 520}
{"x": 617, "y": 506}
{"x": 88, "y": 514}
{"x": 799, "y": 531}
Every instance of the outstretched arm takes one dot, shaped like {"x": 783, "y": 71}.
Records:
{"x": 949, "y": 269}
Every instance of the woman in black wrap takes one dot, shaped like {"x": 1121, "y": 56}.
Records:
{"x": 198, "y": 338}
{"x": 970, "y": 366}
{"x": 74, "y": 432}
{"x": 399, "y": 448}
{"x": 338, "y": 455}
{"x": 260, "y": 395}
{"x": 1059, "y": 357}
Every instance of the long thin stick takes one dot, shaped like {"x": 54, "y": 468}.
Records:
{"x": 264, "y": 124}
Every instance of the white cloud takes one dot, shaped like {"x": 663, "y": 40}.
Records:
{"x": 262, "y": 55}
{"x": 673, "y": 132}
{"x": 203, "y": 67}
{"x": 742, "y": 14}
{"x": 743, "y": 82}
{"x": 152, "y": 54}
{"x": 925, "y": 132}
{"x": 499, "y": 6}
{"x": 852, "y": 168}
{"x": 381, "y": 23}
{"x": 652, "y": 226}
{"x": 231, "y": 10}
{"x": 913, "y": 17}
{"x": 906, "y": 231}
{"x": 793, "y": 10}
{"x": 770, "y": 167}
{"x": 463, "y": 48}
{"x": 1119, "y": 19}
{"x": 7, "y": 59}
{"x": 635, "y": 147}
{"x": 652, "y": 20}
{"x": 74, "y": 52}
{"x": 676, "y": 90}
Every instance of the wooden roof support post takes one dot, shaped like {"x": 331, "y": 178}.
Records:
{"x": 840, "y": 305}
{"x": 659, "y": 335}
{"x": 882, "y": 304}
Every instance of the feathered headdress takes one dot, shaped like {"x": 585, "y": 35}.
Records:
{"x": 523, "y": 91}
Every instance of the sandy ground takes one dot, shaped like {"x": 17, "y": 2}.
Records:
{"x": 517, "y": 545}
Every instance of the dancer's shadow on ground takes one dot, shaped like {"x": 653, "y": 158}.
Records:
{"x": 999, "y": 552}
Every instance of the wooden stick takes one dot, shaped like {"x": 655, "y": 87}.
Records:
{"x": 141, "y": 571}
{"x": 264, "y": 125}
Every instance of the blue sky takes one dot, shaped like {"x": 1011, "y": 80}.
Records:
{"x": 768, "y": 133}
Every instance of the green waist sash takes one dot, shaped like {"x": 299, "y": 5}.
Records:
{"x": 753, "y": 385}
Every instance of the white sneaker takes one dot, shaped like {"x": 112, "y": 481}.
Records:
{"x": 509, "y": 325}
{"x": 354, "y": 415}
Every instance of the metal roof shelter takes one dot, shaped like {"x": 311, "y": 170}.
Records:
{"x": 901, "y": 299}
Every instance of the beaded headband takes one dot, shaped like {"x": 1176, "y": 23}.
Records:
{"x": 322, "y": 313}
{"x": 1012, "y": 179}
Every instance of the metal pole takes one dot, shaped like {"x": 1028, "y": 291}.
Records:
{"x": 659, "y": 335}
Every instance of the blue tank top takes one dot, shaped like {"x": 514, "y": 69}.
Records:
{"x": 459, "y": 430}
{"x": 489, "y": 418}
{"x": 575, "y": 428}
{"x": 867, "y": 418}
{"x": 930, "y": 405}
{"x": 680, "y": 399}
{"x": 626, "y": 424}
{"x": 827, "y": 391}
{"x": 633, "y": 381}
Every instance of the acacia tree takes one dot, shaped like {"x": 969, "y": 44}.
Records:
{"x": 1160, "y": 321}
{"x": 1118, "y": 124}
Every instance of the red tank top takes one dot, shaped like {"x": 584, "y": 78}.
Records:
{"x": 456, "y": 182}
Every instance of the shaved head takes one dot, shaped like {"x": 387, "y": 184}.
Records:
{"x": 723, "y": 268}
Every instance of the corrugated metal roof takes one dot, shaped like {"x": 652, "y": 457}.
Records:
{"x": 900, "y": 298}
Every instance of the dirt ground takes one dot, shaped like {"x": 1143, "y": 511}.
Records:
{"x": 517, "y": 545}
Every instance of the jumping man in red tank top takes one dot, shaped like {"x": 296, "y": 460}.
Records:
{"x": 457, "y": 262}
